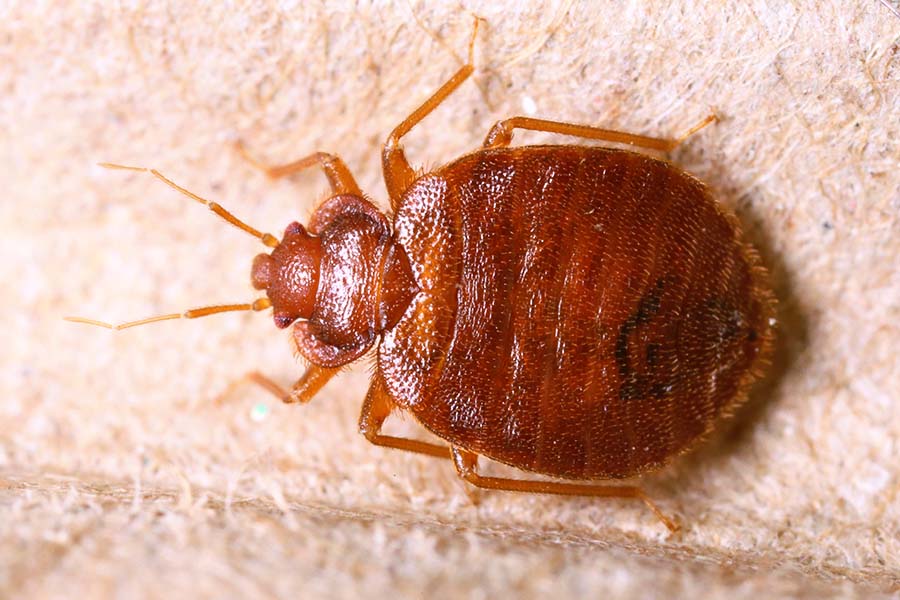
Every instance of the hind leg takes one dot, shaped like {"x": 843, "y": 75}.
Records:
{"x": 467, "y": 466}
{"x": 501, "y": 133}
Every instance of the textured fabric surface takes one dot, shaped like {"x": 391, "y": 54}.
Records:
{"x": 121, "y": 475}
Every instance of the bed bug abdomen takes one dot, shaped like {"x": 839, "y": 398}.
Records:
{"x": 583, "y": 312}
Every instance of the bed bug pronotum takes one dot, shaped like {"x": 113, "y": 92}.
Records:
{"x": 578, "y": 312}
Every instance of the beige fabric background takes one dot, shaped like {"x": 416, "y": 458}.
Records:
{"x": 120, "y": 477}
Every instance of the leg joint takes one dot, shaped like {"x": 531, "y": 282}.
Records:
{"x": 499, "y": 135}
{"x": 466, "y": 464}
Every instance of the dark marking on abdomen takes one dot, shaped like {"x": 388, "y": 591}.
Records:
{"x": 634, "y": 385}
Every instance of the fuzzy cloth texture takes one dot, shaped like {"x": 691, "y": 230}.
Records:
{"x": 119, "y": 474}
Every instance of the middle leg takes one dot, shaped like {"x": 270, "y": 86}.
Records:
{"x": 376, "y": 409}
{"x": 397, "y": 172}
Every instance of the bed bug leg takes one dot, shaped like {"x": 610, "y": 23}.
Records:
{"x": 376, "y": 409}
{"x": 501, "y": 133}
{"x": 309, "y": 384}
{"x": 397, "y": 172}
{"x": 467, "y": 466}
{"x": 339, "y": 176}
{"x": 255, "y": 378}
{"x": 313, "y": 380}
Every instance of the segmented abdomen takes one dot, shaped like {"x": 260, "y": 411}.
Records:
{"x": 584, "y": 312}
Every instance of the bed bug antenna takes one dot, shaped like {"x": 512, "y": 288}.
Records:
{"x": 203, "y": 311}
{"x": 266, "y": 238}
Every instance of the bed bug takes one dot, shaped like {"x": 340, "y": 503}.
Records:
{"x": 578, "y": 312}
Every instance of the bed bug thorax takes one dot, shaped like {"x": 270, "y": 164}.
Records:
{"x": 345, "y": 278}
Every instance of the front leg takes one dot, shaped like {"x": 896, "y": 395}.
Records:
{"x": 339, "y": 177}
{"x": 309, "y": 384}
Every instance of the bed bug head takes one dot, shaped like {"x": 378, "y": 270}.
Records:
{"x": 290, "y": 275}
{"x": 341, "y": 282}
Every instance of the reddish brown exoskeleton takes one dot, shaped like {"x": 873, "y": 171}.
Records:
{"x": 579, "y": 312}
